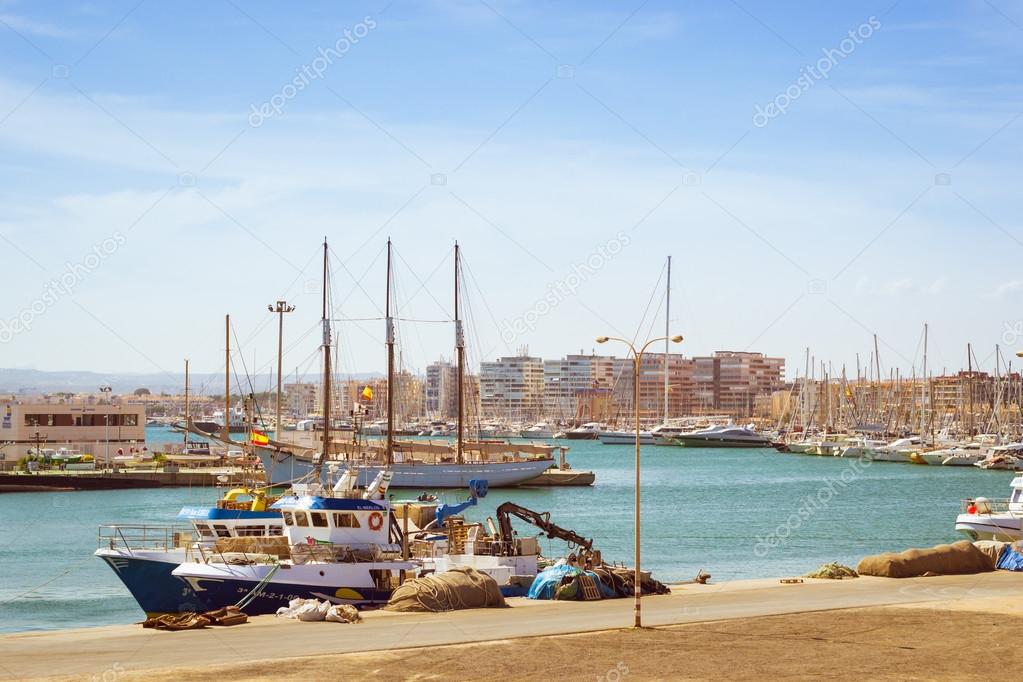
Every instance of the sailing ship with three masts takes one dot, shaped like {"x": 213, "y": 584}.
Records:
{"x": 413, "y": 464}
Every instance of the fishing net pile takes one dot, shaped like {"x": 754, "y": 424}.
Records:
{"x": 833, "y": 571}
{"x": 959, "y": 558}
{"x": 459, "y": 588}
{"x": 228, "y": 615}
{"x": 276, "y": 546}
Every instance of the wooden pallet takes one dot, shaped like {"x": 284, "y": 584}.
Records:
{"x": 590, "y": 590}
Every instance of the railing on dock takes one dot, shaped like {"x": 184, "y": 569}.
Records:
{"x": 150, "y": 537}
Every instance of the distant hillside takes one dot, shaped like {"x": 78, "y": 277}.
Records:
{"x": 31, "y": 382}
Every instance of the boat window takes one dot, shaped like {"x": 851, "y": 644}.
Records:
{"x": 222, "y": 531}
{"x": 301, "y": 519}
{"x": 319, "y": 519}
{"x": 346, "y": 520}
{"x": 1015, "y": 495}
{"x": 276, "y": 530}
{"x": 289, "y": 519}
{"x": 204, "y": 530}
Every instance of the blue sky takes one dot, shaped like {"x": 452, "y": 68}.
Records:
{"x": 885, "y": 196}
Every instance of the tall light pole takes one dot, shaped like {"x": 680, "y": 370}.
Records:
{"x": 638, "y": 357}
{"x": 106, "y": 422}
{"x": 281, "y": 308}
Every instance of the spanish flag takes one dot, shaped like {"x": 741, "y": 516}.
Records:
{"x": 367, "y": 393}
{"x": 257, "y": 437}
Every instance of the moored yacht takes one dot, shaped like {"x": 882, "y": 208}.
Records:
{"x": 541, "y": 430}
{"x": 728, "y": 436}
{"x": 587, "y": 431}
{"x": 984, "y": 519}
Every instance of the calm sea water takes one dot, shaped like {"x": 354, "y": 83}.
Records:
{"x": 709, "y": 509}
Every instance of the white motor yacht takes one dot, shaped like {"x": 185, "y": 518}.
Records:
{"x": 728, "y": 436}
{"x": 587, "y": 431}
{"x": 984, "y": 519}
{"x": 898, "y": 450}
{"x": 862, "y": 447}
{"x": 540, "y": 430}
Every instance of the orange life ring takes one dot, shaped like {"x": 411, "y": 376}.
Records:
{"x": 376, "y": 521}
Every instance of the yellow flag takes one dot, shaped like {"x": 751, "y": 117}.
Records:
{"x": 367, "y": 393}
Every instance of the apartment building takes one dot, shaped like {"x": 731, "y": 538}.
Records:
{"x": 512, "y": 388}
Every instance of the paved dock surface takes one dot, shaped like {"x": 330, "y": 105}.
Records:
{"x": 130, "y": 648}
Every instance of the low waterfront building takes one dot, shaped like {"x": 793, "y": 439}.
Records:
{"x": 96, "y": 427}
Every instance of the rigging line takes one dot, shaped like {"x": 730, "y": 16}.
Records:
{"x": 248, "y": 377}
{"x": 422, "y": 283}
{"x": 305, "y": 266}
{"x": 420, "y": 321}
{"x": 654, "y": 318}
{"x": 399, "y": 289}
{"x": 639, "y": 327}
{"x": 358, "y": 282}
{"x": 270, "y": 365}
{"x": 497, "y": 327}
{"x": 476, "y": 408}
{"x": 357, "y": 319}
{"x": 252, "y": 335}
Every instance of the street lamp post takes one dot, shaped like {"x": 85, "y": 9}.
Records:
{"x": 638, "y": 358}
{"x": 281, "y": 308}
{"x": 106, "y": 422}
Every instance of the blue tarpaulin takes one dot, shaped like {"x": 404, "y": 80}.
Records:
{"x": 1011, "y": 559}
{"x": 545, "y": 584}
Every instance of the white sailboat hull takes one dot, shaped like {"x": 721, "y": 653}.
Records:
{"x": 282, "y": 468}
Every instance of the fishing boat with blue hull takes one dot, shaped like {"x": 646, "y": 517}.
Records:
{"x": 144, "y": 556}
{"x": 342, "y": 545}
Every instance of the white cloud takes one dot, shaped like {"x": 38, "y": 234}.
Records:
{"x": 36, "y": 28}
{"x": 1004, "y": 289}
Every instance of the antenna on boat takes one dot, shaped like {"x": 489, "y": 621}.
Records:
{"x": 187, "y": 419}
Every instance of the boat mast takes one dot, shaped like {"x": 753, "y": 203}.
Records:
{"x": 227, "y": 378}
{"x": 877, "y": 368}
{"x": 460, "y": 353}
{"x": 969, "y": 365}
{"x": 390, "y": 362}
{"x": 667, "y": 335}
{"x": 187, "y": 419}
{"x": 326, "y": 367}
{"x": 924, "y": 388}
